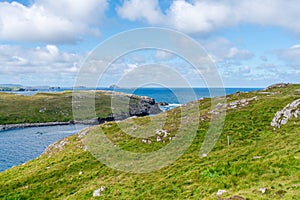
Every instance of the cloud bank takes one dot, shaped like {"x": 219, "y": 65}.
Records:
{"x": 38, "y": 65}
{"x": 204, "y": 16}
{"x": 63, "y": 21}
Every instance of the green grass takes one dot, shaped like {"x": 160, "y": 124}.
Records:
{"x": 235, "y": 168}
{"x": 53, "y": 107}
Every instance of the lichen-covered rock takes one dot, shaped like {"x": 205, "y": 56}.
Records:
{"x": 283, "y": 116}
{"x": 162, "y": 133}
{"x": 97, "y": 193}
{"x": 221, "y": 192}
{"x": 278, "y": 85}
{"x": 56, "y": 147}
{"x": 220, "y": 108}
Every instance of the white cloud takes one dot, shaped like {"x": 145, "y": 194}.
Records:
{"x": 141, "y": 10}
{"x": 203, "y": 16}
{"x": 131, "y": 67}
{"x": 40, "y": 60}
{"x": 222, "y": 49}
{"x": 291, "y": 55}
{"x": 163, "y": 55}
{"x": 245, "y": 70}
{"x": 61, "y": 21}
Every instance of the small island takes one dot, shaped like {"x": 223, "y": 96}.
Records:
{"x": 113, "y": 86}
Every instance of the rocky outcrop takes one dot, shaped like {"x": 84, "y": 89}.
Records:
{"x": 278, "y": 85}
{"x": 283, "y": 116}
{"x": 131, "y": 105}
{"x": 162, "y": 103}
{"x": 232, "y": 105}
{"x": 56, "y": 147}
{"x": 144, "y": 106}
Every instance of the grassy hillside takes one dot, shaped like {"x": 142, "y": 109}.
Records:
{"x": 257, "y": 158}
{"x": 42, "y": 107}
{"x": 55, "y": 107}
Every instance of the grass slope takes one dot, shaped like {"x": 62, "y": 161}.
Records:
{"x": 51, "y": 107}
{"x": 257, "y": 158}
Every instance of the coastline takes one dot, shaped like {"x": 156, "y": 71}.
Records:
{"x": 4, "y": 127}
{"x": 28, "y": 125}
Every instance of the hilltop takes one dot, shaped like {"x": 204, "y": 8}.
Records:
{"x": 262, "y": 161}
{"x": 46, "y": 108}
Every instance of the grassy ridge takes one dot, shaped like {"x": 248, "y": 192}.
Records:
{"x": 257, "y": 158}
{"x": 45, "y": 107}
{"x": 38, "y": 108}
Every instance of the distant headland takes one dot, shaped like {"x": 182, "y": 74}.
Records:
{"x": 21, "y": 88}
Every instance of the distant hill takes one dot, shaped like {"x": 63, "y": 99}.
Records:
{"x": 18, "y": 87}
{"x": 11, "y": 85}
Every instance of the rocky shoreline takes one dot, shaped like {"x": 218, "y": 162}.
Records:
{"x": 27, "y": 125}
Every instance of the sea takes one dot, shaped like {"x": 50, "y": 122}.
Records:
{"x": 18, "y": 146}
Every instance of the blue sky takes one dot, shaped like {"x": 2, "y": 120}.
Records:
{"x": 253, "y": 43}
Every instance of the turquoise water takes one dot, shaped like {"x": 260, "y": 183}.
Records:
{"x": 182, "y": 95}
{"x": 169, "y": 95}
{"x": 20, "y": 145}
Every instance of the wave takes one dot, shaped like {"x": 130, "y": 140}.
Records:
{"x": 169, "y": 106}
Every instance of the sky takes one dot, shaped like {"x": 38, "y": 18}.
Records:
{"x": 252, "y": 43}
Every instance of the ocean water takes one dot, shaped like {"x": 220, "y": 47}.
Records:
{"x": 182, "y": 95}
{"x": 17, "y": 146}
{"x": 169, "y": 95}
{"x": 20, "y": 145}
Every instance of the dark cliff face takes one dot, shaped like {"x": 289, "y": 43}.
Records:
{"x": 145, "y": 106}
{"x": 136, "y": 106}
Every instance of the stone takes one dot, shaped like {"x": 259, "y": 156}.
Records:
{"x": 288, "y": 112}
{"x": 221, "y": 192}
{"x": 162, "y": 133}
{"x": 97, "y": 193}
{"x": 220, "y": 108}
{"x": 42, "y": 110}
{"x": 144, "y": 141}
{"x": 56, "y": 147}
{"x": 158, "y": 139}
{"x": 162, "y": 103}
{"x": 263, "y": 190}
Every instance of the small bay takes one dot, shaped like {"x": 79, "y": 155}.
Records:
{"x": 17, "y": 146}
